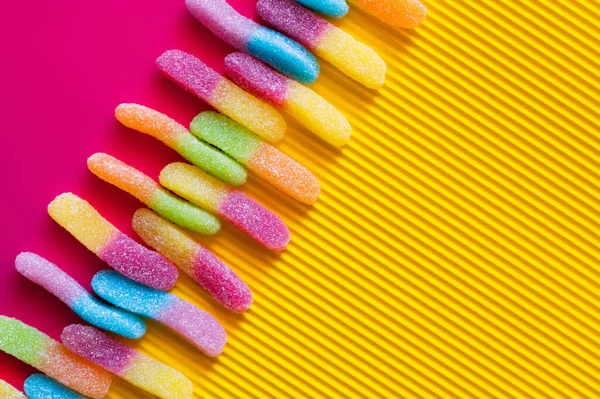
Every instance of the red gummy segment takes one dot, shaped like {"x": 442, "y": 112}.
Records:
{"x": 255, "y": 220}
{"x": 189, "y": 72}
{"x": 139, "y": 263}
{"x": 97, "y": 347}
{"x": 257, "y": 78}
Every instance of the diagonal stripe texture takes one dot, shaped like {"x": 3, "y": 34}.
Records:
{"x": 454, "y": 250}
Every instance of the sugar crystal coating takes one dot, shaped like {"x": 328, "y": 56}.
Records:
{"x": 176, "y": 136}
{"x": 332, "y": 8}
{"x": 257, "y": 78}
{"x": 63, "y": 286}
{"x": 398, "y": 13}
{"x": 97, "y": 347}
{"x": 244, "y": 34}
{"x": 310, "y": 109}
{"x": 226, "y": 134}
{"x": 152, "y": 194}
{"x": 195, "y": 260}
{"x": 80, "y": 219}
{"x": 7, "y": 391}
{"x": 39, "y": 386}
{"x": 353, "y": 58}
{"x": 42, "y": 352}
{"x": 285, "y": 173}
{"x": 235, "y": 207}
{"x": 139, "y": 263}
{"x": 199, "y": 327}
{"x": 133, "y": 366}
{"x": 294, "y": 20}
{"x": 193, "y": 75}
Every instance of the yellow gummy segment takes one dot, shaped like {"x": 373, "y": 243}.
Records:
{"x": 166, "y": 238}
{"x": 158, "y": 378}
{"x": 284, "y": 173}
{"x": 319, "y": 116}
{"x": 399, "y": 13}
{"x": 151, "y": 122}
{"x": 80, "y": 219}
{"x": 249, "y": 111}
{"x": 194, "y": 185}
{"x": 123, "y": 176}
{"x": 358, "y": 61}
{"x": 7, "y": 391}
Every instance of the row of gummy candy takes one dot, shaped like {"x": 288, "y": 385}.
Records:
{"x": 220, "y": 147}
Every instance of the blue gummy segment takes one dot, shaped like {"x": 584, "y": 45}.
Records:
{"x": 332, "y": 8}
{"x": 130, "y": 295}
{"x": 108, "y": 317}
{"x": 283, "y": 54}
{"x": 39, "y": 386}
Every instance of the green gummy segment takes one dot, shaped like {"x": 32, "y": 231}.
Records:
{"x": 211, "y": 160}
{"x": 22, "y": 341}
{"x": 183, "y": 213}
{"x": 226, "y": 134}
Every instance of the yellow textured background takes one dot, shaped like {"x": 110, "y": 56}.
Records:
{"x": 454, "y": 250}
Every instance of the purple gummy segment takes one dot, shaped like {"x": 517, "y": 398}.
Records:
{"x": 220, "y": 281}
{"x": 97, "y": 347}
{"x": 255, "y": 220}
{"x": 225, "y": 22}
{"x": 139, "y": 263}
{"x": 257, "y": 78}
{"x": 294, "y": 20}
{"x": 49, "y": 276}
{"x": 189, "y": 72}
{"x": 196, "y": 325}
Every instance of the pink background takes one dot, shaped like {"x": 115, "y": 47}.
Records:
{"x": 65, "y": 66}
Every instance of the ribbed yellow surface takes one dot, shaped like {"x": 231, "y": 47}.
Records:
{"x": 454, "y": 250}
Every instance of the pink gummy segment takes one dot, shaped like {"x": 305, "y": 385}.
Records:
{"x": 294, "y": 20}
{"x": 97, "y": 347}
{"x": 49, "y": 276}
{"x": 225, "y": 22}
{"x": 139, "y": 263}
{"x": 220, "y": 281}
{"x": 257, "y": 78}
{"x": 255, "y": 220}
{"x": 189, "y": 72}
{"x": 199, "y": 327}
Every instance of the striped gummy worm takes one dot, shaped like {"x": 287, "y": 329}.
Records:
{"x": 258, "y": 156}
{"x": 309, "y": 108}
{"x": 177, "y": 137}
{"x": 224, "y": 95}
{"x": 40, "y": 386}
{"x": 119, "y": 251}
{"x": 192, "y": 323}
{"x": 153, "y": 376}
{"x": 199, "y": 263}
{"x": 7, "y": 391}
{"x": 144, "y": 188}
{"x": 358, "y": 61}
{"x": 52, "y": 358}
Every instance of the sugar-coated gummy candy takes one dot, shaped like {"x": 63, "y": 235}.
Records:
{"x": 309, "y": 108}
{"x": 52, "y": 358}
{"x": 331, "y": 8}
{"x": 397, "y": 13}
{"x": 192, "y": 323}
{"x": 199, "y": 263}
{"x": 358, "y": 61}
{"x": 177, "y": 137}
{"x": 144, "y": 188}
{"x": 258, "y": 156}
{"x": 227, "y": 97}
{"x": 65, "y": 288}
{"x": 151, "y": 375}
{"x": 232, "y": 205}
{"x": 40, "y": 386}
{"x": 277, "y": 50}
{"x": 119, "y": 251}
{"x": 7, "y": 391}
